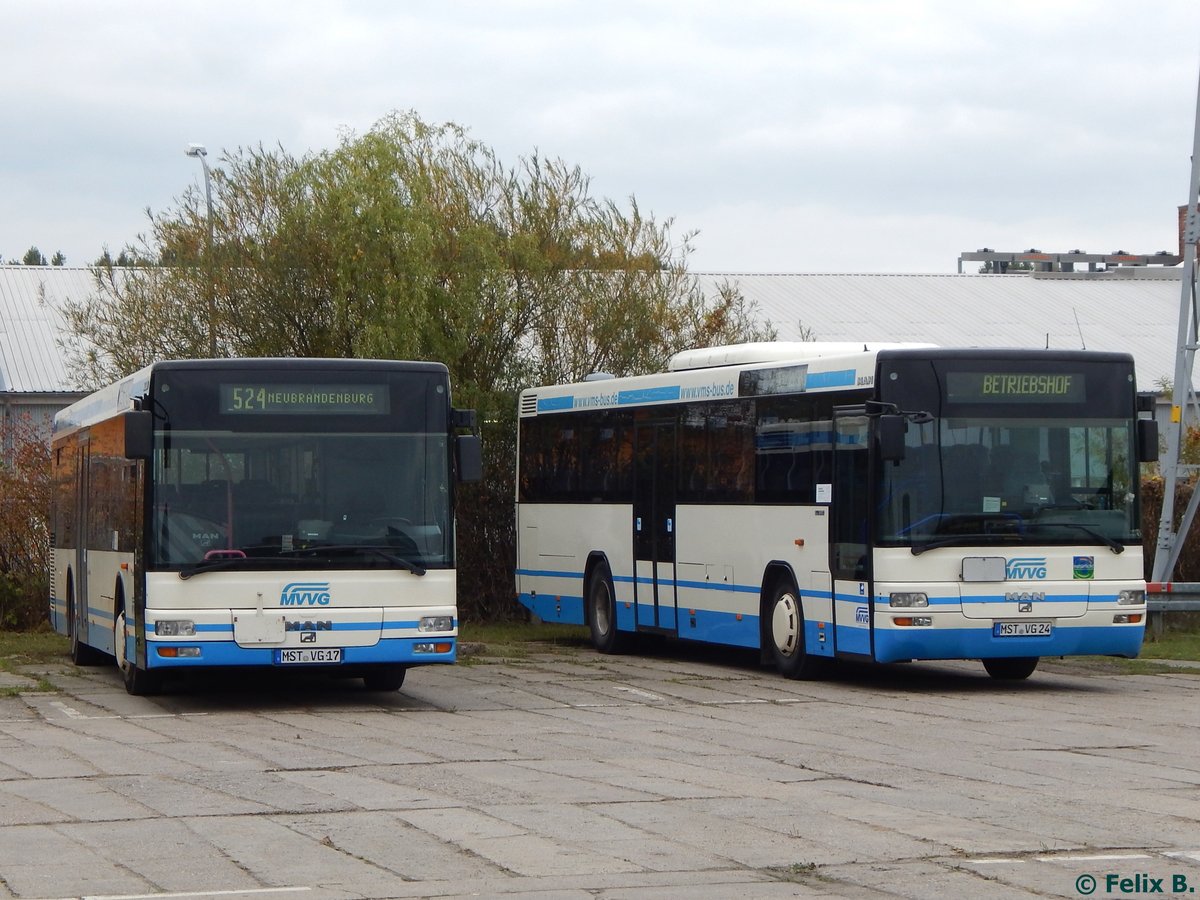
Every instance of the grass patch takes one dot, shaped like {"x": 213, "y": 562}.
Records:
{"x": 518, "y": 641}
{"x": 1172, "y": 645}
{"x": 31, "y": 648}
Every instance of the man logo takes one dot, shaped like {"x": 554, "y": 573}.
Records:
{"x": 305, "y": 593}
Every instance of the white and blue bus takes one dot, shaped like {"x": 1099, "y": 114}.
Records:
{"x": 830, "y": 501}
{"x": 288, "y": 513}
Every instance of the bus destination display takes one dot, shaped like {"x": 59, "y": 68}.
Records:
{"x": 1015, "y": 387}
{"x": 304, "y": 399}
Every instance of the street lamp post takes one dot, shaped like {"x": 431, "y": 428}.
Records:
{"x": 201, "y": 152}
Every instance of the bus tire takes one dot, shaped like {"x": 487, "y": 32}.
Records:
{"x": 602, "y": 611}
{"x": 81, "y": 654}
{"x": 785, "y": 633}
{"x": 385, "y": 678}
{"x": 1015, "y": 668}
{"x": 138, "y": 682}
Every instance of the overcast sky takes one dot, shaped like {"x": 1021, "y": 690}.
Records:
{"x": 792, "y": 136}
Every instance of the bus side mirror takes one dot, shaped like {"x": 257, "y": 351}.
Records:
{"x": 139, "y": 434}
{"x": 889, "y": 434}
{"x": 469, "y": 450}
{"x": 1147, "y": 440}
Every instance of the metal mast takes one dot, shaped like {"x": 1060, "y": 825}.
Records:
{"x": 1183, "y": 403}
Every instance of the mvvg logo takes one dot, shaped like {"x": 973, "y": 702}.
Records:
{"x": 1023, "y": 568}
{"x": 305, "y": 593}
{"x": 862, "y": 616}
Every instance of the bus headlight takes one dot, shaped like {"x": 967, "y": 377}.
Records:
{"x": 174, "y": 627}
{"x": 908, "y": 599}
{"x": 1131, "y": 598}
{"x": 436, "y": 623}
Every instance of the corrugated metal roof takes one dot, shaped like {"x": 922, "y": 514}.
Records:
{"x": 1136, "y": 312}
{"x": 31, "y": 326}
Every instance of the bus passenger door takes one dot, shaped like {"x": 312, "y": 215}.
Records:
{"x": 654, "y": 525}
{"x": 82, "y": 535}
{"x": 849, "y": 535}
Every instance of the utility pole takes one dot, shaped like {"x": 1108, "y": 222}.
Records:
{"x": 1183, "y": 402}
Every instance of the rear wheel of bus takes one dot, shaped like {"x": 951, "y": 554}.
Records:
{"x": 602, "y": 611}
{"x": 784, "y": 617}
{"x": 1011, "y": 669}
{"x": 81, "y": 653}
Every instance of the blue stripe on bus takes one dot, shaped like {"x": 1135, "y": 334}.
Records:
{"x": 840, "y": 378}
{"x": 649, "y": 395}
{"x": 895, "y": 644}
{"x": 554, "y": 404}
{"x": 228, "y": 653}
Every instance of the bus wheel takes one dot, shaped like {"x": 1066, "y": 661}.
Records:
{"x": 385, "y": 678}
{"x": 602, "y": 612}
{"x": 785, "y": 625}
{"x": 1011, "y": 668}
{"x": 138, "y": 682}
{"x": 81, "y": 654}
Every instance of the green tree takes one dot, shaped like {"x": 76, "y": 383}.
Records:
{"x": 58, "y": 259}
{"x": 33, "y": 257}
{"x": 414, "y": 241}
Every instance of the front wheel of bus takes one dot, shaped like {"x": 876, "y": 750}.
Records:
{"x": 1011, "y": 669}
{"x": 602, "y": 612}
{"x": 385, "y": 678}
{"x": 138, "y": 682}
{"x": 785, "y": 625}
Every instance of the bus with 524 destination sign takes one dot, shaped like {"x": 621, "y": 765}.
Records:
{"x": 284, "y": 513}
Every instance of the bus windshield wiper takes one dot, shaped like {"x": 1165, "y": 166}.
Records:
{"x": 382, "y": 552}
{"x": 216, "y": 563}
{"x": 1113, "y": 545}
{"x": 958, "y": 540}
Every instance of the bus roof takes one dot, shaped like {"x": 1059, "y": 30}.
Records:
{"x": 712, "y": 373}
{"x": 118, "y": 397}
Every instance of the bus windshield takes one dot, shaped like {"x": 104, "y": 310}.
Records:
{"x": 253, "y": 472}
{"x": 267, "y": 494}
{"x": 1052, "y": 469}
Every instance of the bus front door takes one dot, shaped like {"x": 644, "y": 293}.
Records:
{"x": 849, "y": 547}
{"x": 654, "y": 525}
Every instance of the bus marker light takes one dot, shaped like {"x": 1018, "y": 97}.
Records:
{"x": 443, "y": 647}
{"x": 912, "y": 621}
{"x": 799, "y": 542}
{"x": 1127, "y": 619}
{"x": 178, "y": 652}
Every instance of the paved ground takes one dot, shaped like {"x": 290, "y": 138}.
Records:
{"x": 571, "y": 775}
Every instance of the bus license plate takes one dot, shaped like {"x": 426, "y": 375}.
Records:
{"x": 1022, "y": 629}
{"x": 310, "y": 655}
